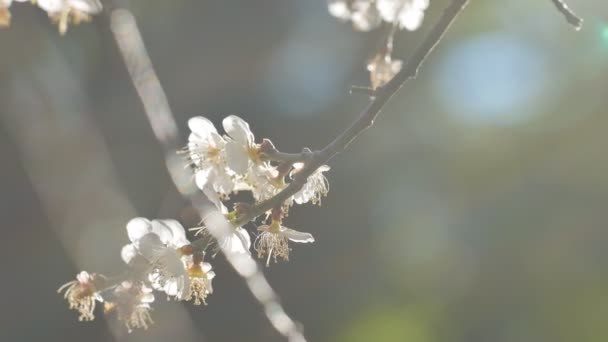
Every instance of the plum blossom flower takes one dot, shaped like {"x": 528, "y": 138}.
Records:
{"x": 316, "y": 185}
{"x": 407, "y": 13}
{"x": 241, "y": 149}
{"x": 238, "y": 241}
{"x": 65, "y": 12}
{"x": 159, "y": 243}
{"x": 382, "y": 68}
{"x": 244, "y": 158}
{"x": 82, "y": 294}
{"x": 131, "y": 301}
{"x": 274, "y": 241}
{"x": 5, "y": 14}
{"x": 367, "y": 15}
{"x": 208, "y": 155}
{"x": 363, "y": 13}
{"x": 200, "y": 282}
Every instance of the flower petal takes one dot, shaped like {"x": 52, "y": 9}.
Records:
{"x": 164, "y": 233}
{"x": 128, "y": 252}
{"x": 238, "y": 130}
{"x": 178, "y": 233}
{"x": 237, "y": 242}
{"x": 138, "y": 227}
{"x": 201, "y": 177}
{"x": 151, "y": 247}
{"x": 237, "y": 157}
{"x": 87, "y": 6}
{"x": 297, "y": 236}
{"x": 201, "y": 126}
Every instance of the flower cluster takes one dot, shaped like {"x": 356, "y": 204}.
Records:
{"x": 159, "y": 256}
{"x": 61, "y": 12}
{"x": 367, "y": 15}
{"x": 227, "y": 164}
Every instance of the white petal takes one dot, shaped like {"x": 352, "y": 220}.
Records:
{"x": 237, "y": 157}
{"x": 297, "y": 236}
{"x": 50, "y": 6}
{"x": 339, "y": 9}
{"x": 206, "y": 267}
{"x": 238, "y": 130}
{"x": 128, "y": 252}
{"x": 151, "y": 247}
{"x": 237, "y": 242}
{"x": 138, "y": 227}
{"x": 215, "y": 199}
{"x": 179, "y": 234}
{"x": 164, "y": 233}
{"x": 201, "y": 126}
{"x": 147, "y": 298}
{"x": 201, "y": 178}
{"x": 87, "y": 6}
{"x": 83, "y": 277}
{"x": 411, "y": 19}
{"x": 244, "y": 237}
{"x": 323, "y": 168}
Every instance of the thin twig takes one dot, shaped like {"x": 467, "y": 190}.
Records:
{"x": 571, "y": 17}
{"x": 380, "y": 97}
{"x": 139, "y": 66}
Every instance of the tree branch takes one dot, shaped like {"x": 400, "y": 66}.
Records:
{"x": 571, "y": 17}
{"x": 379, "y": 98}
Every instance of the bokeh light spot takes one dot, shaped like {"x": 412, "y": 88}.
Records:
{"x": 494, "y": 79}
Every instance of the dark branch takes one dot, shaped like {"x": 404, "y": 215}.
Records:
{"x": 571, "y": 17}
{"x": 379, "y": 98}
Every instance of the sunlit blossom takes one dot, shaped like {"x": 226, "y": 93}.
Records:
{"x": 159, "y": 243}
{"x": 367, "y": 15}
{"x": 207, "y": 154}
{"x": 81, "y": 294}
{"x": 241, "y": 149}
{"x": 201, "y": 276}
{"x": 315, "y": 188}
{"x": 237, "y": 241}
{"x": 65, "y": 12}
{"x": 131, "y": 301}
{"x": 273, "y": 241}
{"x": 382, "y": 68}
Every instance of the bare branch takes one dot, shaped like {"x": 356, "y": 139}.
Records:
{"x": 571, "y": 17}
{"x": 379, "y": 98}
{"x": 135, "y": 56}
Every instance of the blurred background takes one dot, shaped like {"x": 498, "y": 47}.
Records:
{"x": 475, "y": 209}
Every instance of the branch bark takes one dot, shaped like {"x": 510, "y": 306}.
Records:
{"x": 366, "y": 119}
{"x": 570, "y": 16}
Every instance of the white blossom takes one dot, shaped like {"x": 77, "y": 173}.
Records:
{"x": 315, "y": 188}
{"x": 201, "y": 276}
{"x": 158, "y": 242}
{"x": 207, "y": 150}
{"x": 82, "y": 294}
{"x": 237, "y": 241}
{"x": 407, "y": 13}
{"x": 382, "y": 68}
{"x": 241, "y": 149}
{"x": 368, "y": 14}
{"x": 65, "y": 12}
{"x": 273, "y": 241}
{"x": 131, "y": 300}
